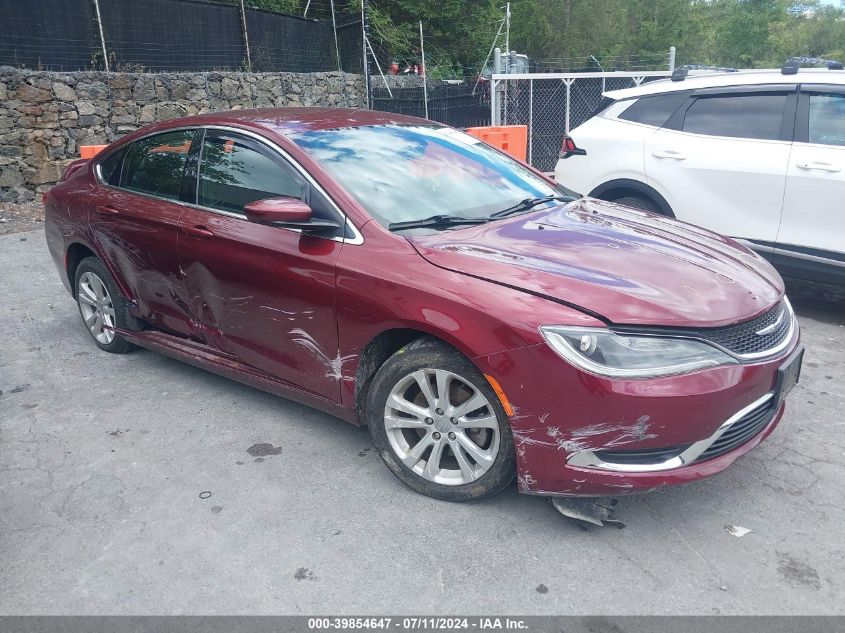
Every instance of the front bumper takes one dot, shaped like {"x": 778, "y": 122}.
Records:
{"x": 584, "y": 435}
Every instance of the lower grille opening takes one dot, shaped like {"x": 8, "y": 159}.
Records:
{"x": 741, "y": 431}
{"x": 642, "y": 456}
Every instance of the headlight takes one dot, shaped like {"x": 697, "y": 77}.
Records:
{"x": 600, "y": 351}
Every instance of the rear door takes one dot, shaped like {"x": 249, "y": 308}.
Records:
{"x": 813, "y": 225}
{"x": 720, "y": 161}
{"x": 263, "y": 294}
{"x": 134, "y": 219}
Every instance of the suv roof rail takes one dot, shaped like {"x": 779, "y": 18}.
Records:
{"x": 791, "y": 65}
{"x": 681, "y": 72}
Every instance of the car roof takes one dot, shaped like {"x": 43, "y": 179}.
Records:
{"x": 705, "y": 79}
{"x": 301, "y": 119}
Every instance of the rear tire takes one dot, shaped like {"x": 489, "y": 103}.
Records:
{"x": 438, "y": 425}
{"x": 101, "y": 306}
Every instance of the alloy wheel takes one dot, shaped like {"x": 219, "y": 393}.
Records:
{"x": 442, "y": 427}
{"x": 96, "y": 306}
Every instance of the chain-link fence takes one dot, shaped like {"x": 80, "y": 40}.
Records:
{"x": 551, "y": 104}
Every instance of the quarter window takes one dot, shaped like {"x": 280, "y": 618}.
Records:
{"x": 827, "y": 119}
{"x": 235, "y": 171}
{"x": 155, "y": 164}
{"x": 654, "y": 110}
{"x": 757, "y": 116}
{"x": 110, "y": 167}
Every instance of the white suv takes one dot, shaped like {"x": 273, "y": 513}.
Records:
{"x": 757, "y": 155}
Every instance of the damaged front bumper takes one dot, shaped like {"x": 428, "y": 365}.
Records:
{"x": 578, "y": 434}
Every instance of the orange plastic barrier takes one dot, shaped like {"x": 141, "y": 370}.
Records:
{"x": 512, "y": 139}
{"x": 90, "y": 151}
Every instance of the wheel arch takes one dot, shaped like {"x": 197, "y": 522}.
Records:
{"x": 75, "y": 253}
{"x": 381, "y": 347}
{"x": 622, "y": 187}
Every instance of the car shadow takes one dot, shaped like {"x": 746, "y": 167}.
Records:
{"x": 818, "y": 301}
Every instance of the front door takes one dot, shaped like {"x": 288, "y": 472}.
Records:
{"x": 263, "y": 294}
{"x": 134, "y": 219}
{"x": 721, "y": 161}
{"x": 813, "y": 224}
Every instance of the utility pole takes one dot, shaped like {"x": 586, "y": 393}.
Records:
{"x": 508, "y": 29}
{"x": 365, "y": 38}
{"x": 425, "y": 82}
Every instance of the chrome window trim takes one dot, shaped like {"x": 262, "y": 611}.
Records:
{"x": 357, "y": 238}
{"x": 589, "y": 459}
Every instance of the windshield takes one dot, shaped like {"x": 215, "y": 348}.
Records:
{"x": 402, "y": 173}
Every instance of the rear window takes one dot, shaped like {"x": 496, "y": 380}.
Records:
{"x": 827, "y": 119}
{"x": 757, "y": 116}
{"x": 654, "y": 110}
{"x": 155, "y": 164}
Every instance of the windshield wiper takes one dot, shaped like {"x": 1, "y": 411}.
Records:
{"x": 528, "y": 204}
{"x": 435, "y": 221}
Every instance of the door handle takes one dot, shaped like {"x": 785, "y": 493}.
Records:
{"x": 106, "y": 209}
{"x": 668, "y": 153}
{"x": 198, "y": 231}
{"x": 818, "y": 166}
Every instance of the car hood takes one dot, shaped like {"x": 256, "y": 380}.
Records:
{"x": 625, "y": 265}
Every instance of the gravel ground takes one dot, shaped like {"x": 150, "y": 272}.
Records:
{"x": 15, "y": 218}
{"x": 140, "y": 485}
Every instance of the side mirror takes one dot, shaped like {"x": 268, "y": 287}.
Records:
{"x": 289, "y": 213}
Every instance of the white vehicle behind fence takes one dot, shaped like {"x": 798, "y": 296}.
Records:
{"x": 756, "y": 155}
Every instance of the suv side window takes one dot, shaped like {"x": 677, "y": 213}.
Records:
{"x": 654, "y": 110}
{"x": 155, "y": 165}
{"x": 827, "y": 119}
{"x": 235, "y": 171}
{"x": 757, "y": 116}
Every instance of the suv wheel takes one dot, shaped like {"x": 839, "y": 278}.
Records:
{"x": 639, "y": 203}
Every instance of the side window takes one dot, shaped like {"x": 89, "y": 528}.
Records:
{"x": 654, "y": 110}
{"x": 235, "y": 171}
{"x": 110, "y": 167}
{"x": 155, "y": 164}
{"x": 827, "y": 119}
{"x": 757, "y": 116}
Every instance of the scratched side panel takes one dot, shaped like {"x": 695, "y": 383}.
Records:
{"x": 267, "y": 296}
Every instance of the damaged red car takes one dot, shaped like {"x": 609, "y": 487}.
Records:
{"x": 482, "y": 321}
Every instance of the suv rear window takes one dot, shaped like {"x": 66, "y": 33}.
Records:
{"x": 654, "y": 110}
{"x": 757, "y": 116}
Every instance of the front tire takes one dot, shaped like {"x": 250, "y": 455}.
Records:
{"x": 101, "y": 306}
{"x": 438, "y": 425}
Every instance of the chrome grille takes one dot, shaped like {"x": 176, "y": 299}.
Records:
{"x": 743, "y": 339}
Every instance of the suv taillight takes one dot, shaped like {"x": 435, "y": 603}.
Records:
{"x": 569, "y": 148}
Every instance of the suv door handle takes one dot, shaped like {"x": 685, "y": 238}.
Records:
{"x": 668, "y": 153}
{"x": 818, "y": 166}
{"x": 106, "y": 209}
{"x": 198, "y": 231}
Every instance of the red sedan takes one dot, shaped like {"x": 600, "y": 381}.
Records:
{"x": 482, "y": 321}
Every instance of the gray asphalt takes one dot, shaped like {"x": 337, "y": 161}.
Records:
{"x": 103, "y": 460}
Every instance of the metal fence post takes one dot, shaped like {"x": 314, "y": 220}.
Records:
{"x": 568, "y": 83}
{"x": 494, "y": 87}
{"x": 671, "y": 58}
{"x": 100, "y": 28}
{"x": 530, "y": 119}
{"x": 246, "y": 37}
